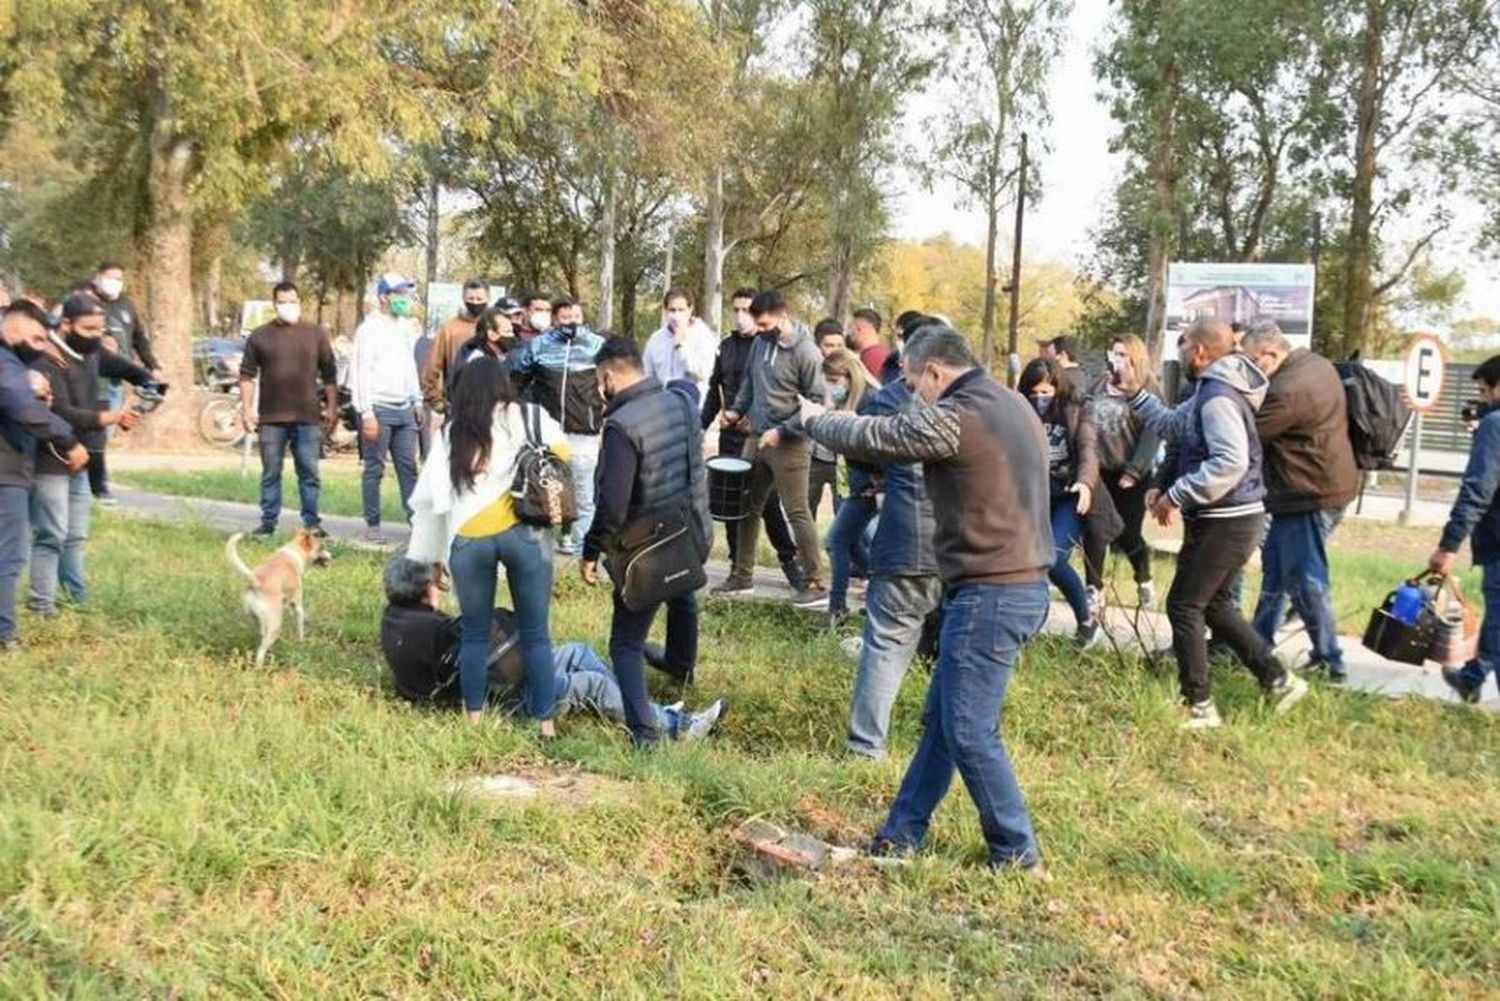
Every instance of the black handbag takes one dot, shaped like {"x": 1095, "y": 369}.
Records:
{"x": 543, "y": 491}
{"x": 659, "y": 556}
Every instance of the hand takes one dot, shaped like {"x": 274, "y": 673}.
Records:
{"x": 125, "y": 419}
{"x": 1127, "y": 482}
{"x": 39, "y": 385}
{"x": 1441, "y": 562}
{"x": 589, "y": 570}
{"x": 77, "y": 458}
{"x": 1126, "y": 377}
{"x": 771, "y": 438}
{"x": 1085, "y": 497}
{"x": 330, "y": 421}
{"x": 1164, "y": 510}
{"x": 729, "y": 418}
{"x": 370, "y": 428}
{"x": 1151, "y": 496}
{"x": 248, "y": 417}
{"x": 811, "y": 409}
{"x": 110, "y": 344}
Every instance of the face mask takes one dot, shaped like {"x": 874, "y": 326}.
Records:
{"x": 26, "y": 352}
{"x": 838, "y": 394}
{"x": 400, "y": 305}
{"x": 540, "y": 321}
{"x": 110, "y": 288}
{"x": 1041, "y": 404}
{"x": 677, "y": 319}
{"x": 83, "y": 345}
{"x": 475, "y": 308}
{"x": 568, "y": 329}
{"x": 744, "y": 323}
{"x": 288, "y": 312}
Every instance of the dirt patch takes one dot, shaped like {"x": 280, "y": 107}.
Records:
{"x": 569, "y": 788}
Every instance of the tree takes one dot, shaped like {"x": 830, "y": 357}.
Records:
{"x": 1003, "y": 50}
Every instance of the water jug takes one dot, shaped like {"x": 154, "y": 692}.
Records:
{"x": 1408, "y": 603}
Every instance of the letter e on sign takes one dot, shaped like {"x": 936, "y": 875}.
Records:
{"x": 1424, "y": 372}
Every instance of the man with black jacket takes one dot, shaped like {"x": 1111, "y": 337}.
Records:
{"x": 124, "y": 324}
{"x": 723, "y": 387}
{"x": 60, "y": 498}
{"x": 26, "y": 423}
{"x": 651, "y": 460}
{"x": 1310, "y": 478}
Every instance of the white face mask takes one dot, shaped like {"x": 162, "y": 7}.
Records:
{"x": 289, "y": 312}
{"x": 540, "y": 321}
{"x": 111, "y": 288}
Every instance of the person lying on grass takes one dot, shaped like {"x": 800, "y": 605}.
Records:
{"x": 420, "y": 644}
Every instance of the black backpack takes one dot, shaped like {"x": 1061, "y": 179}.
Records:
{"x": 543, "y": 490}
{"x": 1378, "y": 414}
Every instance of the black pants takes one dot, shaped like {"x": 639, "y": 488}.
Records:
{"x": 627, "y": 642}
{"x": 1213, "y": 551}
{"x": 774, "y": 518}
{"x": 1131, "y": 503}
{"x": 822, "y": 473}
{"x": 98, "y": 476}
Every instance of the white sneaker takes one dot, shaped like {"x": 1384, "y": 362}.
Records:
{"x": 1288, "y": 693}
{"x": 1090, "y": 635}
{"x": 701, "y": 724}
{"x": 1202, "y": 716}
{"x": 1145, "y": 595}
{"x": 852, "y": 647}
{"x": 1096, "y": 601}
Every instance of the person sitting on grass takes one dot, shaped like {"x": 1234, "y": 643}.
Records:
{"x": 421, "y": 644}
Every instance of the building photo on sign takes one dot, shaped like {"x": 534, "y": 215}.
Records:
{"x": 1242, "y": 293}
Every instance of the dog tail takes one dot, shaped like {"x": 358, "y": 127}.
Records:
{"x": 233, "y": 555}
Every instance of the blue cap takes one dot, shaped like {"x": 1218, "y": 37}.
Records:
{"x": 393, "y": 281}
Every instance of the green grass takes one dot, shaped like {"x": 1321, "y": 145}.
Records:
{"x": 173, "y": 821}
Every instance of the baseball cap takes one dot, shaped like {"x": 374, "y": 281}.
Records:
{"x": 81, "y": 304}
{"x": 393, "y": 281}
{"x": 508, "y": 304}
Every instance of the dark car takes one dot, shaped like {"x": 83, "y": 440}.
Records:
{"x": 216, "y": 362}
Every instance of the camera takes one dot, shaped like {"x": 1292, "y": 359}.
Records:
{"x": 149, "y": 396}
{"x": 1471, "y": 412}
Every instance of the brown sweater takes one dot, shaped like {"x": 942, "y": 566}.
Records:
{"x": 984, "y": 459}
{"x": 437, "y": 373}
{"x": 290, "y": 359}
{"x": 1304, "y": 429}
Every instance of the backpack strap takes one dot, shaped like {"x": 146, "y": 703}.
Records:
{"x": 531, "y": 418}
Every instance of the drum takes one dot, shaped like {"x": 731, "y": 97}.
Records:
{"x": 728, "y": 488}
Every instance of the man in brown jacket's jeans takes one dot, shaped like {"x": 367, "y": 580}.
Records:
{"x": 1310, "y": 478}
{"x": 450, "y": 337}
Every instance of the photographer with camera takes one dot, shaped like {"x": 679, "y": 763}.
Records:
{"x": 60, "y": 495}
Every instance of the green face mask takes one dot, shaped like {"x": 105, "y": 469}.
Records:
{"x": 400, "y": 305}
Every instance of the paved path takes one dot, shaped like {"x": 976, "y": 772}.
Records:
{"x": 1368, "y": 672}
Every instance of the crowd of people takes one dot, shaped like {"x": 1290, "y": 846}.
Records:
{"x": 955, "y": 501}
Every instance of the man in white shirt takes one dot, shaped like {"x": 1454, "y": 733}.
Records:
{"x": 386, "y": 390}
{"x": 684, "y": 348}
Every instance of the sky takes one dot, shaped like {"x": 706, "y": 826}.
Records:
{"x": 1078, "y": 173}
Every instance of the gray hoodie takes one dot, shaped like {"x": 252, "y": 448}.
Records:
{"x": 777, "y": 376}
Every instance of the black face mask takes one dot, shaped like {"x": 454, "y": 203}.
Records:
{"x": 475, "y": 308}
{"x": 26, "y": 353}
{"x": 568, "y": 330}
{"x": 83, "y": 345}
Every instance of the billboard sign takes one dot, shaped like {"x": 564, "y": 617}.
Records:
{"x": 1242, "y": 293}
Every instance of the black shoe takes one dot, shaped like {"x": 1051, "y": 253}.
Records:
{"x": 1337, "y": 675}
{"x": 11, "y": 645}
{"x": 263, "y": 532}
{"x": 883, "y": 849}
{"x": 1454, "y": 676}
{"x": 794, "y": 576}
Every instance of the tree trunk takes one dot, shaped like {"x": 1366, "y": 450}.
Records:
{"x": 1163, "y": 203}
{"x": 991, "y": 238}
{"x": 169, "y": 272}
{"x": 212, "y": 293}
{"x": 433, "y": 219}
{"x": 606, "y": 311}
{"x": 667, "y": 265}
{"x": 713, "y": 251}
{"x": 1359, "y": 259}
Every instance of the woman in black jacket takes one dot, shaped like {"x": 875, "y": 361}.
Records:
{"x": 494, "y": 337}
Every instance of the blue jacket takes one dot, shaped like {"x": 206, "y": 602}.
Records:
{"x": 24, "y": 421}
{"x": 1475, "y": 511}
{"x": 902, "y": 546}
{"x": 556, "y": 371}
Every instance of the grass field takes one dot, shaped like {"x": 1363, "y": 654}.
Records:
{"x": 175, "y": 823}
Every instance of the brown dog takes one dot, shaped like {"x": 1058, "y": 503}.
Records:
{"x": 276, "y": 583}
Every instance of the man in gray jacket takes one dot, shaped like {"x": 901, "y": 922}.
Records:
{"x": 784, "y": 368}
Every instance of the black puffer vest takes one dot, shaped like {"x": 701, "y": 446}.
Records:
{"x": 663, "y": 429}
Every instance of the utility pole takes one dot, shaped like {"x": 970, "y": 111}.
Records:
{"x": 1014, "y": 288}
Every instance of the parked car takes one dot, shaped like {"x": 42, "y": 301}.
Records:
{"x": 216, "y": 362}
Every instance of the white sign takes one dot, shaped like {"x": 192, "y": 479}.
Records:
{"x": 1242, "y": 293}
{"x": 446, "y": 299}
{"x": 1424, "y": 373}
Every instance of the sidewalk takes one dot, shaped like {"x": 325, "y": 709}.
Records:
{"x": 1131, "y": 629}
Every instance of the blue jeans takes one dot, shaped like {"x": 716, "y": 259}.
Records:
{"x": 845, "y": 540}
{"x": 60, "y": 519}
{"x": 984, "y": 628}
{"x": 526, "y": 554}
{"x": 1487, "y": 657}
{"x": 398, "y": 436}
{"x": 584, "y": 457}
{"x": 1066, "y": 528}
{"x": 586, "y": 684}
{"x": 1294, "y": 565}
{"x": 305, "y": 440}
{"x": 627, "y": 642}
{"x": 895, "y": 610}
{"x": 15, "y": 543}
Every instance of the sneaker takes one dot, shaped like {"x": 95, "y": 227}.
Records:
{"x": 1454, "y": 676}
{"x": 1096, "y": 600}
{"x": 263, "y": 532}
{"x": 853, "y": 647}
{"x": 733, "y": 587}
{"x": 1337, "y": 675}
{"x": 1145, "y": 595}
{"x": 1288, "y": 692}
{"x": 836, "y": 618}
{"x": 815, "y": 595}
{"x": 1089, "y": 635}
{"x": 884, "y": 851}
{"x": 107, "y": 500}
{"x": 1202, "y": 716}
{"x": 374, "y": 536}
{"x": 701, "y": 724}
{"x": 11, "y": 645}
{"x": 675, "y": 707}
{"x": 567, "y": 548}
{"x": 794, "y": 577}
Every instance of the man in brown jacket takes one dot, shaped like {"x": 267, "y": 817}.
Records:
{"x": 450, "y": 337}
{"x": 1310, "y": 478}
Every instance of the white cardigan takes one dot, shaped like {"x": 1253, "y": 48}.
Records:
{"x": 439, "y": 511}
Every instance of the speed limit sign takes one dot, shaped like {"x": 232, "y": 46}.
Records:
{"x": 1424, "y": 373}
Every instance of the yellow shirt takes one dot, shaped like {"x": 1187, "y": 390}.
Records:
{"x": 501, "y": 514}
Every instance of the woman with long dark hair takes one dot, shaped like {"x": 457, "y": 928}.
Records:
{"x": 463, "y": 516}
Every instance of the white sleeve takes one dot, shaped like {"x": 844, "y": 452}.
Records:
{"x": 359, "y": 380}
{"x": 699, "y": 352}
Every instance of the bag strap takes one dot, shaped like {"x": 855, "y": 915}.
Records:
{"x": 531, "y": 421}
